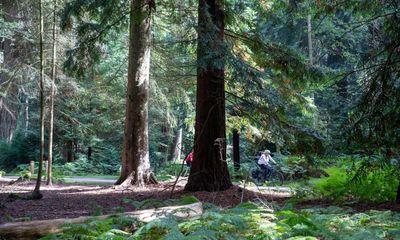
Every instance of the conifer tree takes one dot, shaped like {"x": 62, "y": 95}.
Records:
{"x": 53, "y": 76}
{"x": 209, "y": 170}
{"x": 36, "y": 192}
{"x": 135, "y": 156}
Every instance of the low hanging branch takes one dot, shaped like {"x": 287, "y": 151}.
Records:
{"x": 37, "y": 229}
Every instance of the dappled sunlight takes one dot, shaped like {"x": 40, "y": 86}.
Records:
{"x": 68, "y": 199}
{"x": 200, "y": 119}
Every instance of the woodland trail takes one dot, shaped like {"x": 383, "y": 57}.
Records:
{"x": 107, "y": 181}
{"x": 68, "y": 200}
{"x": 73, "y": 179}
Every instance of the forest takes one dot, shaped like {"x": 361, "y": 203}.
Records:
{"x": 200, "y": 119}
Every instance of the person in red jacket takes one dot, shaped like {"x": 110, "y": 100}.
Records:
{"x": 189, "y": 159}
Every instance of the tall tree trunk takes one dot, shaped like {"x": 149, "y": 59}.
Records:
{"x": 26, "y": 114}
{"x": 209, "y": 171}
{"x": 36, "y": 192}
{"x": 176, "y": 147}
{"x": 8, "y": 119}
{"x": 69, "y": 151}
{"x": 89, "y": 153}
{"x": 311, "y": 58}
{"x": 135, "y": 157}
{"x": 8, "y": 108}
{"x": 310, "y": 48}
{"x": 236, "y": 150}
{"x": 164, "y": 143}
{"x": 53, "y": 76}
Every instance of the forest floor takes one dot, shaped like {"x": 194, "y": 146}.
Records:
{"x": 78, "y": 179}
{"x": 68, "y": 200}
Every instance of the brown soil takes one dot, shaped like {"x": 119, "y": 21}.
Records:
{"x": 74, "y": 200}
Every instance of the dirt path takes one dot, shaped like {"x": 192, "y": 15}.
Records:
{"x": 72, "y": 200}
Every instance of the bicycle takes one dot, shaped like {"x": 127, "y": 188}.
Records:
{"x": 276, "y": 178}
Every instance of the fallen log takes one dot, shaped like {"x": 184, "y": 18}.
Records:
{"x": 37, "y": 229}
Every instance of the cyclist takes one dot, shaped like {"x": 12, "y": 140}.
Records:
{"x": 264, "y": 162}
{"x": 189, "y": 159}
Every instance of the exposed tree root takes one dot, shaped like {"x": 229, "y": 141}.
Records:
{"x": 146, "y": 179}
{"x": 19, "y": 180}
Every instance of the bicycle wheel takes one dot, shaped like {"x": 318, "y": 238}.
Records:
{"x": 276, "y": 178}
{"x": 257, "y": 178}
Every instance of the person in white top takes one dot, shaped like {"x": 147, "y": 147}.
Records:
{"x": 264, "y": 162}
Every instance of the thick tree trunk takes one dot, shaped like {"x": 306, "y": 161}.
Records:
{"x": 236, "y": 151}
{"x": 68, "y": 151}
{"x": 53, "y": 76}
{"x": 135, "y": 156}
{"x": 36, "y": 192}
{"x": 176, "y": 148}
{"x": 209, "y": 170}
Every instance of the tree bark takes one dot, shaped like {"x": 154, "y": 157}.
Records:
{"x": 164, "y": 143}
{"x": 53, "y": 76}
{"x": 8, "y": 119}
{"x": 176, "y": 148}
{"x": 311, "y": 58}
{"x": 135, "y": 156}
{"x": 38, "y": 229}
{"x": 36, "y": 192}
{"x": 26, "y": 113}
{"x": 8, "y": 108}
{"x": 69, "y": 151}
{"x": 89, "y": 153}
{"x": 236, "y": 150}
{"x": 310, "y": 48}
{"x": 209, "y": 171}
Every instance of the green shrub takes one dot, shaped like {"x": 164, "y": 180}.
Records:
{"x": 82, "y": 166}
{"x": 58, "y": 175}
{"x": 170, "y": 170}
{"x": 378, "y": 186}
{"x": 22, "y": 167}
{"x": 22, "y": 149}
{"x": 335, "y": 187}
{"x": 292, "y": 224}
{"x": 26, "y": 174}
{"x": 246, "y": 221}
